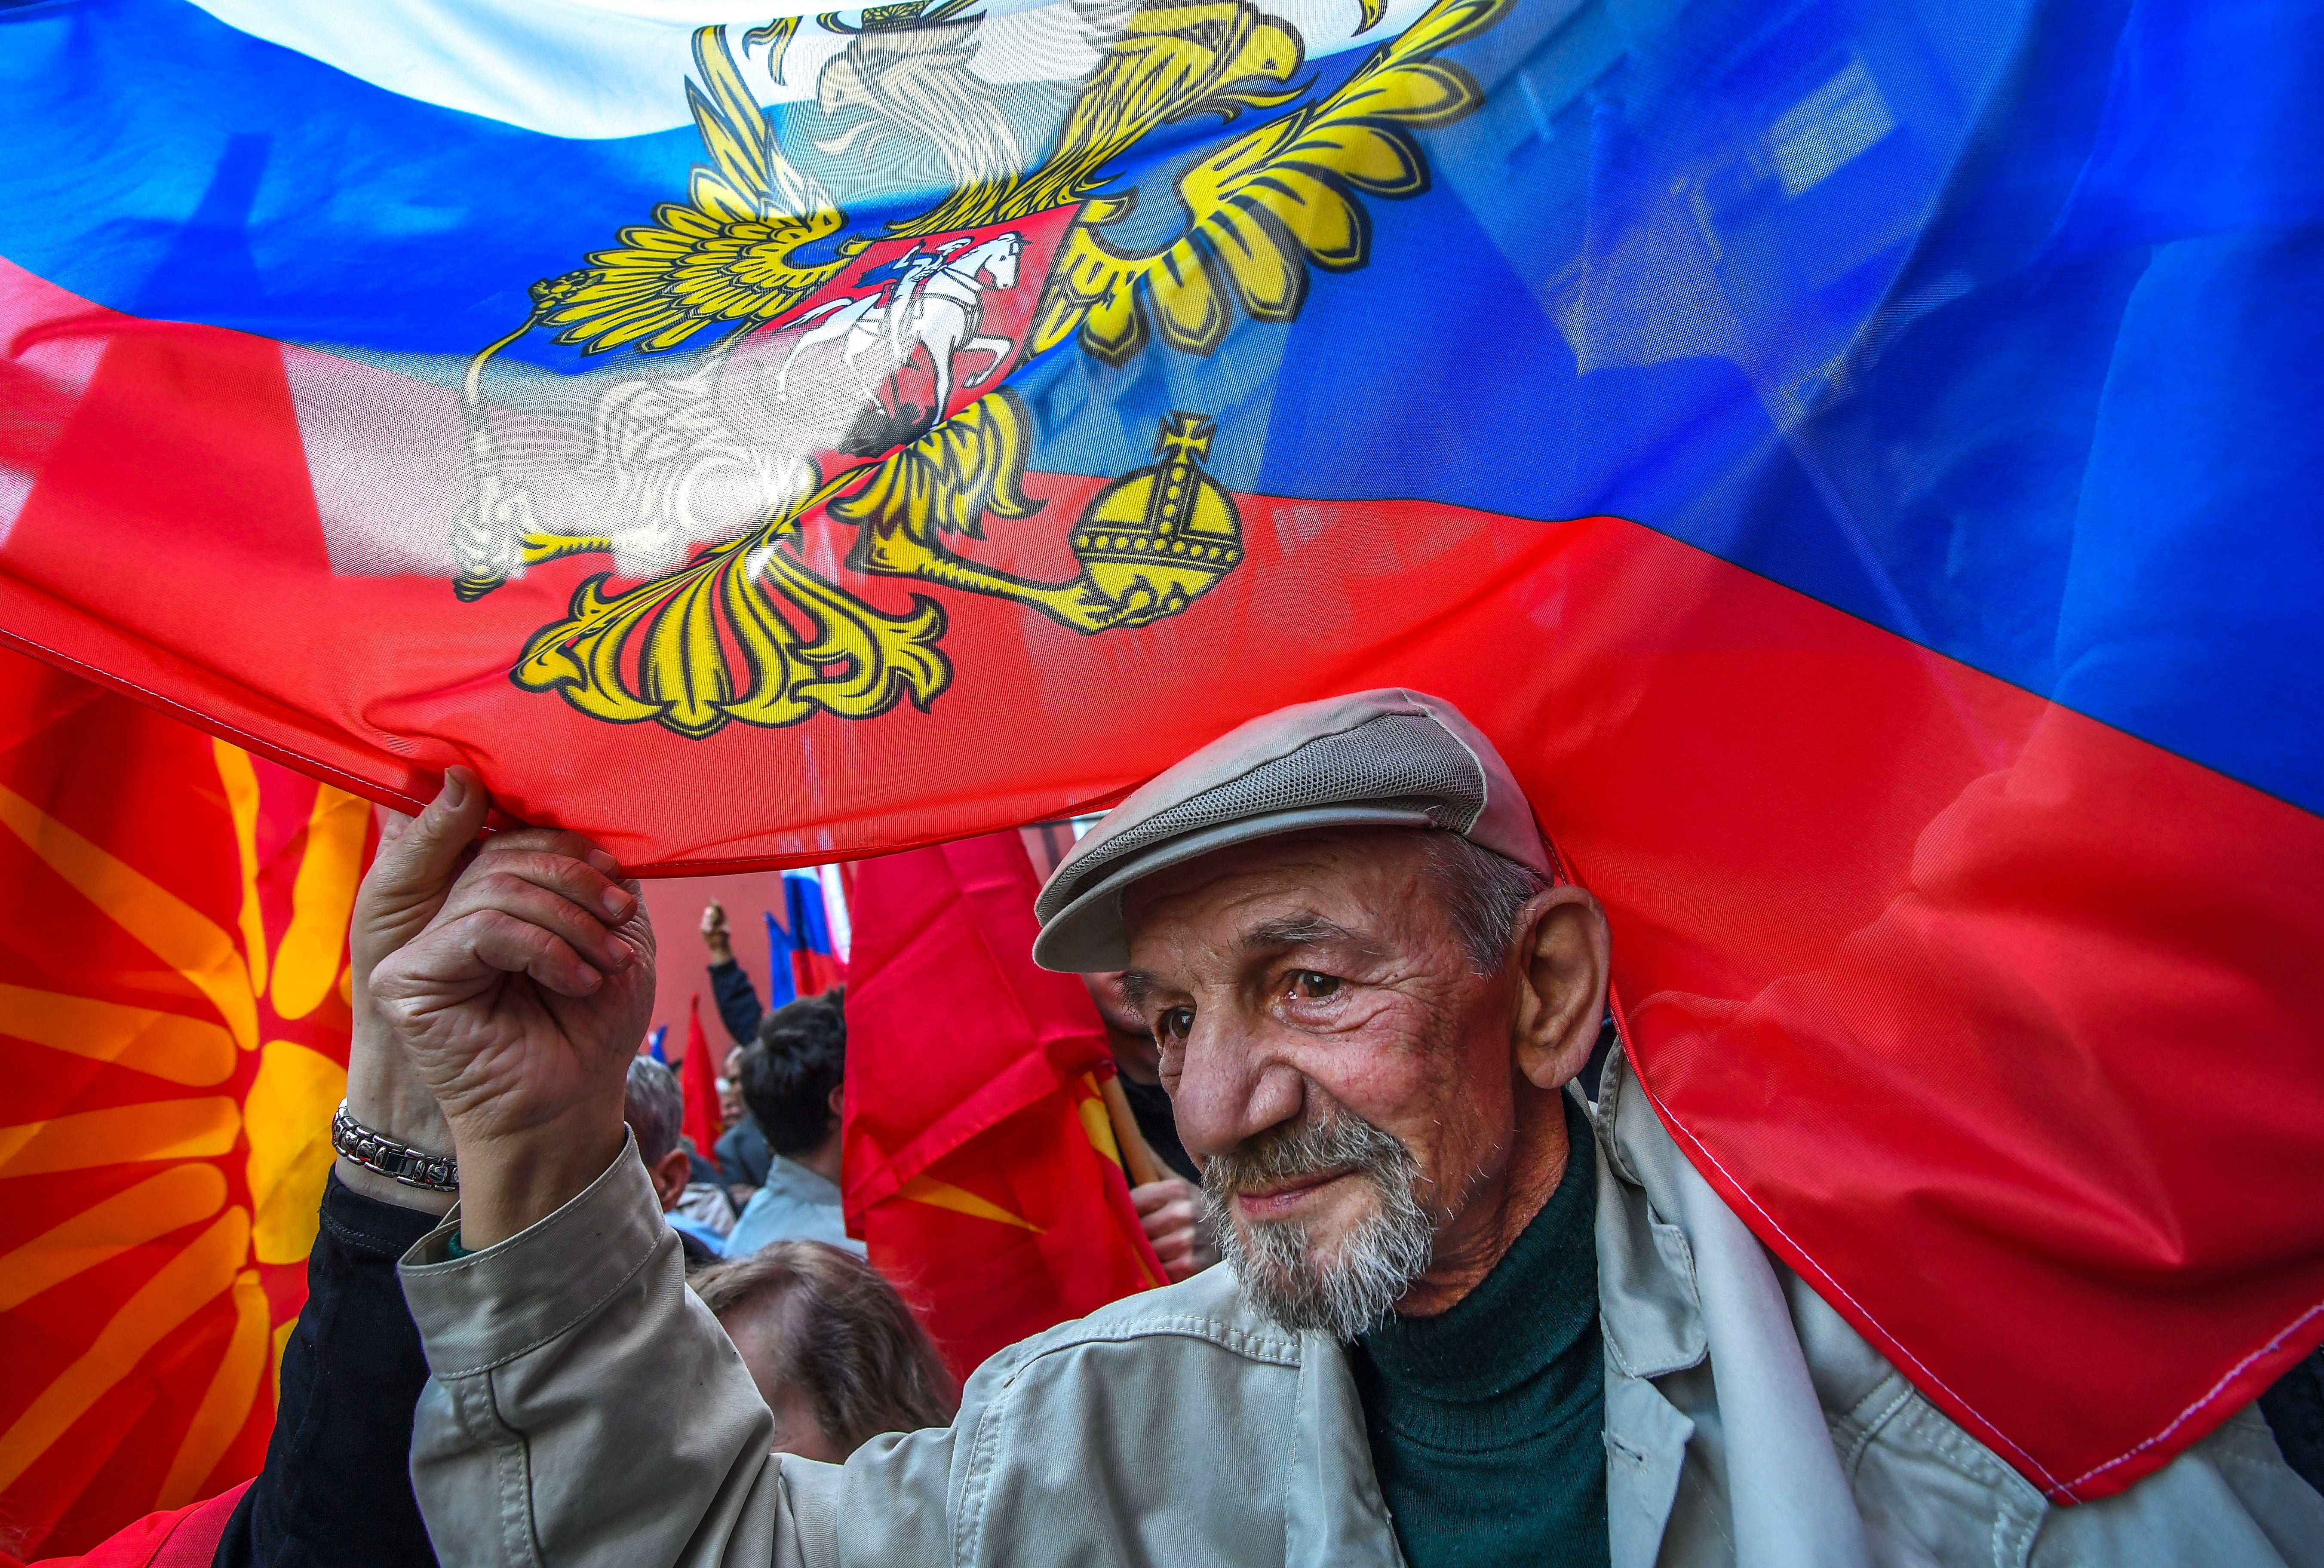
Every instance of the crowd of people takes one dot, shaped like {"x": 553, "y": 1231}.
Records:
{"x": 774, "y": 1173}
{"x": 1475, "y": 1307}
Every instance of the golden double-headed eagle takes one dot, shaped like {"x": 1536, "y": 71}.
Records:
{"x": 1259, "y": 212}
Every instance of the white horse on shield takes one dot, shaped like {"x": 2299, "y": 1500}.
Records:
{"x": 936, "y": 308}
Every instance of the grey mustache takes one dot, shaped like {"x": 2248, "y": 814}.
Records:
{"x": 1275, "y": 1263}
{"x": 1341, "y": 1141}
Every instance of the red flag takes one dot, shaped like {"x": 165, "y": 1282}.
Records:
{"x": 173, "y": 1034}
{"x": 185, "y": 1537}
{"x": 980, "y": 1166}
{"x": 698, "y": 1076}
{"x": 813, "y": 973}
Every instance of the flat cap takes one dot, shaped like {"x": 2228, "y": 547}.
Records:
{"x": 1384, "y": 759}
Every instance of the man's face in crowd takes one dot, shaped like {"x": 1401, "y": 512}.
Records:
{"x": 729, "y": 1091}
{"x": 1135, "y": 1053}
{"x": 1334, "y": 1058}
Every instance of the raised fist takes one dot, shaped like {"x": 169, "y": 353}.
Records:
{"x": 520, "y": 1002}
{"x": 715, "y": 934}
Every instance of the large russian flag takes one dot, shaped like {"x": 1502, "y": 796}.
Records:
{"x": 1855, "y": 457}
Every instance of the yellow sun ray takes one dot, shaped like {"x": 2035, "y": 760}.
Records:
{"x": 926, "y": 1189}
{"x": 241, "y": 781}
{"x": 288, "y": 1115}
{"x": 160, "y": 1204}
{"x": 197, "y": 946}
{"x": 178, "y": 1289}
{"x": 185, "y": 1050}
{"x": 1098, "y": 1125}
{"x": 225, "y": 1405}
{"x": 121, "y": 1135}
{"x": 1097, "y": 1122}
{"x": 322, "y": 899}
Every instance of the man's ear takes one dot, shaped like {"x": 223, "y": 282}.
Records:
{"x": 1562, "y": 957}
{"x": 669, "y": 1173}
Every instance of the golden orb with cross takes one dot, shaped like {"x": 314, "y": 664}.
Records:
{"x": 1160, "y": 537}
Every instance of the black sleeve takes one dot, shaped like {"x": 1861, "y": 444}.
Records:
{"x": 338, "y": 1483}
{"x": 738, "y": 1000}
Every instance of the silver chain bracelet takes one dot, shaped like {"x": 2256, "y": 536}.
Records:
{"x": 375, "y": 1152}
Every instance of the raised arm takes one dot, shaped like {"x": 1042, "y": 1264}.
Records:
{"x": 581, "y": 1402}
{"x": 730, "y": 985}
{"x": 337, "y": 1464}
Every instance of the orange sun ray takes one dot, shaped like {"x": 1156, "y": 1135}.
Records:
{"x": 197, "y": 946}
{"x": 160, "y": 1204}
{"x": 225, "y": 1405}
{"x": 925, "y": 1188}
{"x": 185, "y": 1050}
{"x": 165, "y": 1093}
{"x": 177, "y": 1290}
{"x": 121, "y": 1135}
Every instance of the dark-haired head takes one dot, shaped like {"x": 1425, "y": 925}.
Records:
{"x": 789, "y": 1074}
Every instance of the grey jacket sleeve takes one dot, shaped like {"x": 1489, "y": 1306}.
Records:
{"x": 583, "y": 1408}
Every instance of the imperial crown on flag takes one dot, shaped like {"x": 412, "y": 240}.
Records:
{"x": 1852, "y": 457}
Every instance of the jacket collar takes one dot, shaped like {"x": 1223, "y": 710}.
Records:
{"x": 793, "y": 1180}
{"x": 1645, "y": 1271}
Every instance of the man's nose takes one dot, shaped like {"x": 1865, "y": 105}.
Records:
{"x": 1230, "y": 1089}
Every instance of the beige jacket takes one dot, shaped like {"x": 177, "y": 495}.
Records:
{"x": 586, "y": 1409}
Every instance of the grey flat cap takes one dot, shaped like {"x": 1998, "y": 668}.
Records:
{"x": 1390, "y": 758}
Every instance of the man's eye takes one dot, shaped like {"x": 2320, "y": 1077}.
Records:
{"x": 1176, "y": 1024}
{"x": 1310, "y": 986}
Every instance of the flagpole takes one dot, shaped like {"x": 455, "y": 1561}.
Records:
{"x": 1137, "y": 1157}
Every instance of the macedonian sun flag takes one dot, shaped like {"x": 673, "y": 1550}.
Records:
{"x": 1856, "y": 457}
{"x": 982, "y": 1169}
{"x": 173, "y": 1037}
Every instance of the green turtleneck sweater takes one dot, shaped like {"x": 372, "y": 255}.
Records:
{"x": 1486, "y": 1421}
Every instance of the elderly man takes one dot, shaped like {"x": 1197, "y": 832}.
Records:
{"x": 1470, "y": 1317}
{"x": 654, "y": 1106}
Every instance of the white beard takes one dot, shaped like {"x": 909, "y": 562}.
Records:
{"x": 1375, "y": 1264}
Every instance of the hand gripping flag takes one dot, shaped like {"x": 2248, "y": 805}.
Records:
{"x": 1852, "y": 457}
{"x": 981, "y": 1165}
{"x": 173, "y": 1033}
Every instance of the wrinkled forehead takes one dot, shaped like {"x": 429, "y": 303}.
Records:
{"x": 1343, "y": 879}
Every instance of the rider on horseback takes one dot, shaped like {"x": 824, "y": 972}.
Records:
{"x": 914, "y": 268}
